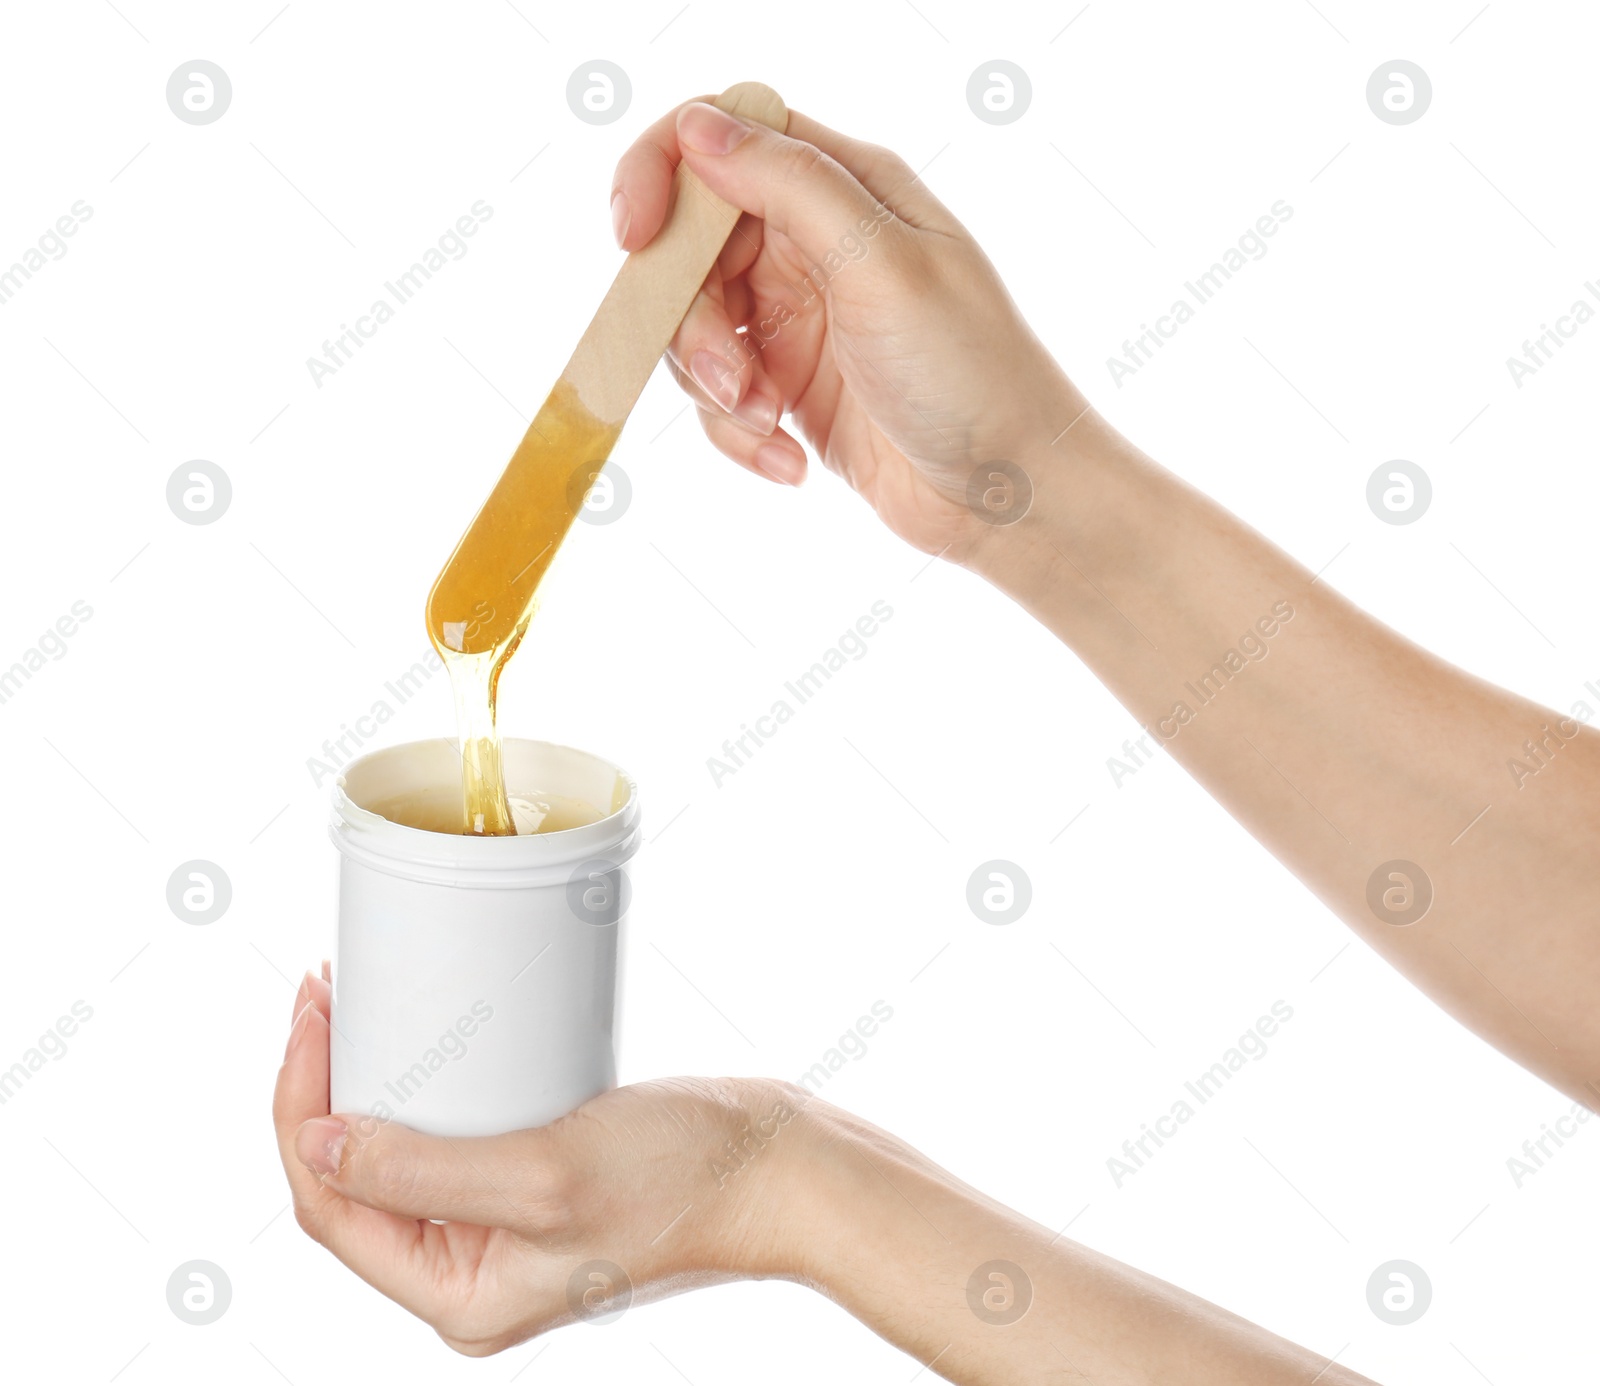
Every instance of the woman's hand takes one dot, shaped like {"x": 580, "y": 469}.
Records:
{"x": 850, "y": 297}
{"x": 667, "y": 1186}
{"x": 660, "y": 1184}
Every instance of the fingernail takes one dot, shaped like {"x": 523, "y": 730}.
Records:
{"x": 327, "y": 970}
{"x": 320, "y": 1144}
{"x": 716, "y": 377}
{"x": 621, "y": 216}
{"x": 706, "y": 130}
{"x": 297, "y": 1031}
{"x": 780, "y": 464}
{"x": 757, "y": 411}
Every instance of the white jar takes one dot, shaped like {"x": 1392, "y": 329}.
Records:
{"x": 475, "y": 978}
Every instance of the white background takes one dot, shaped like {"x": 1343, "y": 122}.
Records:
{"x": 806, "y": 887}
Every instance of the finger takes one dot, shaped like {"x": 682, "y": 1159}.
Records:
{"x": 301, "y": 1092}
{"x": 490, "y": 1181}
{"x": 778, "y": 458}
{"x": 641, "y": 187}
{"x": 758, "y": 413}
{"x": 383, "y": 1250}
{"x": 643, "y": 180}
{"x": 708, "y": 348}
{"x": 742, "y": 250}
{"x": 881, "y": 172}
{"x": 793, "y": 185}
{"x": 314, "y": 989}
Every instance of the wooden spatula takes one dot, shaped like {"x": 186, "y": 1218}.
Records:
{"x": 483, "y": 598}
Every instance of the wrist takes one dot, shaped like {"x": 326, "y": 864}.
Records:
{"x": 883, "y": 1232}
{"x": 754, "y": 1181}
{"x": 791, "y": 1178}
{"x": 1072, "y": 482}
{"x": 830, "y": 1215}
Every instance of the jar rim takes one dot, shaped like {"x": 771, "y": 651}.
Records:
{"x": 530, "y": 859}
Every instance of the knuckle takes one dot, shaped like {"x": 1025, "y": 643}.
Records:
{"x": 902, "y": 182}
{"x": 390, "y": 1170}
{"x": 887, "y": 162}
{"x": 911, "y": 260}
{"x": 782, "y": 1090}
{"x": 557, "y": 1191}
{"x": 650, "y": 161}
{"x": 307, "y": 1220}
{"x": 799, "y": 161}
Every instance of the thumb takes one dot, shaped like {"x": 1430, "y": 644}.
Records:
{"x": 793, "y": 186}
{"x": 491, "y": 1181}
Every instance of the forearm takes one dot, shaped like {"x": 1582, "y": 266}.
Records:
{"x": 912, "y": 1253}
{"x": 1335, "y": 741}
